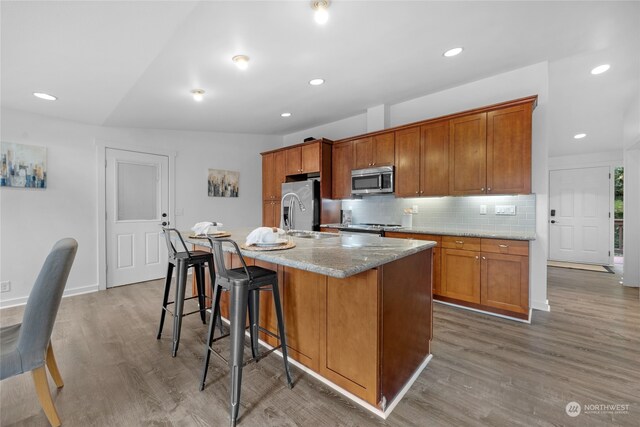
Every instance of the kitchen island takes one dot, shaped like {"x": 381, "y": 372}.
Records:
{"x": 357, "y": 309}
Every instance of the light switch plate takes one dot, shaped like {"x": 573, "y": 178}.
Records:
{"x": 506, "y": 210}
{"x": 483, "y": 209}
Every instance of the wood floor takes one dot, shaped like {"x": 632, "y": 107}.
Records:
{"x": 485, "y": 370}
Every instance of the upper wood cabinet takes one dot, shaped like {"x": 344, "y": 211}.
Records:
{"x": 273, "y": 175}
{"x": 490, "y": 153}
{"x": 468, "y": 155}
{"x": 378, "y": 150}
{"x": 303, "y": 159}
{"x": 509, "y": 150}
{"x": 342, "y": 164}
{"x": 407, "y": 176}
{"x": 422, "y": 166}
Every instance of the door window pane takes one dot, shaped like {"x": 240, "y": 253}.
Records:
{"x": 137, "y": 192}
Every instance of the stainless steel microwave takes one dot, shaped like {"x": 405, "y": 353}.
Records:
{"x": 372, "y": 180}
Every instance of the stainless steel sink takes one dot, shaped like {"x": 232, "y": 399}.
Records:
{"x": 311, "y": 234}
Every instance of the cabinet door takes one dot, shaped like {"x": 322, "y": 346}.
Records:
{"x": 384, "y": 152}
{"x": 293, "y": 161}
{"x": 407, "y": 174}
{"x": 467, "y": 155}
{"x": 505, "y": 282}
{"x": 342, "y": 164}
{"x": 434, "y": 157}
{"x": 303, "y": 301}
{"x": 509, "y": 150}
{"x": 461, "y": 275}
{"x": 268, "y": 319}
{"x": 310, "y": 157}
{"x": 363, "y": 153}
{"x": 351, "y": 360}
{"x": 269, "y": 214}
{"x": 279, "y": 164}
{"x": 268, "y": 177}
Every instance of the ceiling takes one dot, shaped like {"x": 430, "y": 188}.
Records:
{"x": 133, "y": 64}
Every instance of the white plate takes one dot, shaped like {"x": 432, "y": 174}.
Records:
{"x": 276, "y": 243}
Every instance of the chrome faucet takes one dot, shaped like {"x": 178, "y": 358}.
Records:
{"x": 300, "y": 205}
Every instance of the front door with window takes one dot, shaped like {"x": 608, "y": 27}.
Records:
{"x": 580, "y": 222}
{"x": 137, "y": 196}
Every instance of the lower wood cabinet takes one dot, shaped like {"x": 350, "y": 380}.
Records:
{"x": 487, "y": 274}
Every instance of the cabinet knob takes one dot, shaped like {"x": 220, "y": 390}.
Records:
{"x": 416, "y": 191}
{"x": 373, "y": 164}
{"x": 477, "y": 257}
{"x": 489, "y": 189}
{"x": 482, "y": 189}
{"x": 421, "y": 191}
{"x": 484, "y": 257}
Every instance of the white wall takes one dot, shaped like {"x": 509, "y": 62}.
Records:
{"x": 531, "y": 80}
{"x": 631, "y": 135}
{"x": 31, "y": 221}
{"x": 339, "y": 129}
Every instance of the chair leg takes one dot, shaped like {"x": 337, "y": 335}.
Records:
{"x": 215, "y": 313}
{"x": 165, "y": 300}
{"x": 53, "y": 367}
{"x": 254, "y": 321}
{"x": 281, "y": 331}
{"x": 239, "y": 296}
{"x": 198, "y": 270}
{"x": 44, "y": 395}
{"x": 212, "y": 277}
{"x": 179, "y": 305}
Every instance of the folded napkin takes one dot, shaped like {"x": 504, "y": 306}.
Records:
{"x": 258, "y": 235}
{"x": 202, "y": 228}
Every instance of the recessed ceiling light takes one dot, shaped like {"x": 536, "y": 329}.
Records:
{"x": 44, "y": 96}
{"x": 579, "y": 135}
{"x": 453, "y": 52}
{"x": 321, "y": 15}
{"x": 285, "y": 115}
{"x": 198, "y": 94}
{"x": 600, "y": 69}
{"x": 241, "y": 61}
{"x": 316, "y": 82}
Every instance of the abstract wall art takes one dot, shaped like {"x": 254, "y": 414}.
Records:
{"x": 23, "y": 166}
{"x": 223, "y": 183}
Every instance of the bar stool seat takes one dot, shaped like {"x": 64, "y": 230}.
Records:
{"x": 244, "y": 284}
{"x": 182, "y": 261}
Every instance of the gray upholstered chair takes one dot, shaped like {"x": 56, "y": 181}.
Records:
{"x": 26, "y": 346}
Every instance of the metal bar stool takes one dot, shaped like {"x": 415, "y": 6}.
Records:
{"x": 244, "y": 284}
{"x": 183, "y": 261}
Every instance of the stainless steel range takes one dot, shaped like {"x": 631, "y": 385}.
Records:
{"x": 370, "y": 228}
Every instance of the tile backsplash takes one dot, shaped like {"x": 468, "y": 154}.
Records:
{"x": 459, "y": 213}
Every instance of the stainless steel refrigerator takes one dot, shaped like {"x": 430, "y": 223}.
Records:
{"x": 301, "y": 212}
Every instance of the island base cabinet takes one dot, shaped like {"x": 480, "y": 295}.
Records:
{"x": 350, "y": 359}
{"x": 505, "y": 282}
{"x": 303, "y": 295}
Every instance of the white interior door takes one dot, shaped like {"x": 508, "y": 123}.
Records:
{"x": 580, "y": 226}
{"x": 137, "y": 202}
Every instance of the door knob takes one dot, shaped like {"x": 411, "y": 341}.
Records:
{"x": 553, "y": 221}
{"x": 164, "y": 223}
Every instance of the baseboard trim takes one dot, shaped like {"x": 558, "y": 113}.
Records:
{"x": 15, "y": 302}
{"x": 528, "y": 321}
{"x": 541, "y": 305}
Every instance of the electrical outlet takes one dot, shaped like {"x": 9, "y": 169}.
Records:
{"x": 5, "y": 286}
{"x": 506, "y": 210}
{"x": 483, "y": 209}
{"x": 414, "y": 209}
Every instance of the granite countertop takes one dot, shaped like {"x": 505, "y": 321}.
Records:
{"x": 337, "y": 256}
{"x": 510, "y": 235}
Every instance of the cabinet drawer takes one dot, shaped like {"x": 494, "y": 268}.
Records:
{"x": 510, "y": 247}
{"x": 459, "y": 242}
{"x": 416, "y": 236}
